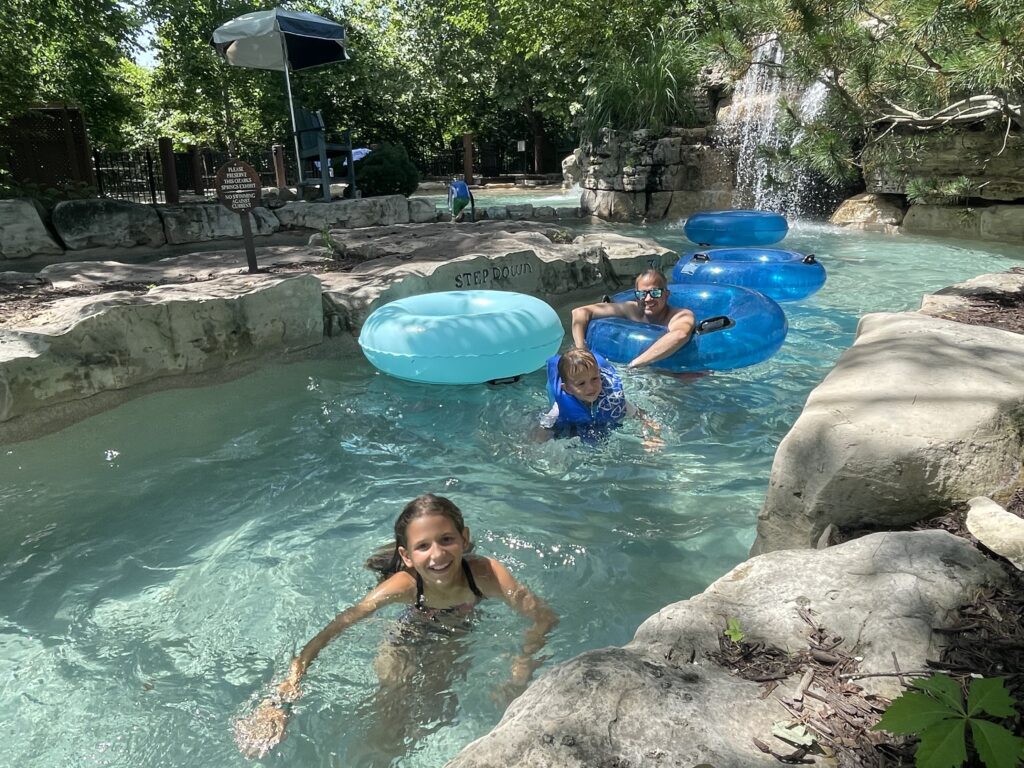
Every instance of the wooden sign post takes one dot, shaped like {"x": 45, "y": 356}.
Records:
{"x": 238, "y": 189}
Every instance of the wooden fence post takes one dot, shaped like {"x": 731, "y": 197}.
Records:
{"x": 170, "y": 172}
{"x": 280, "y": 178}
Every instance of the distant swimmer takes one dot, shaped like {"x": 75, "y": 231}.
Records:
{"x": 459, "y": 196}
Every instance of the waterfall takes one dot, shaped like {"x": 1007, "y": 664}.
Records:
{"x": 751, "y": 125}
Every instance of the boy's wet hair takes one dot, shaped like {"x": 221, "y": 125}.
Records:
{"x": 574, "y": 361}
{"x": 652, "y": 274}
{"x": 386, "y": 561}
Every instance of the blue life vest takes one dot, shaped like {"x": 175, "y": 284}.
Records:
{"x": 607, "y": 411}
{"x": 458, "y": 190}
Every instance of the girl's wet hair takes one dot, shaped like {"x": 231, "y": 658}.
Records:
{"x": 575, "y": 360}
{"x": 386, "y": 561}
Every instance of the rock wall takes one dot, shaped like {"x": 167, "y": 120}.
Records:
{"x": 640, "y": 175}
{"x": 996, "y": 171}
{"x": 82, "y": 224}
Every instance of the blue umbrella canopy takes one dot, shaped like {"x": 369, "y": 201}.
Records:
{"x": 268, "y": 39}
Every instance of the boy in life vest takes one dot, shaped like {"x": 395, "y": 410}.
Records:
{"x": 587, "y": 399}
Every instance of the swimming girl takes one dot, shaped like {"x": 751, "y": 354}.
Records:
{"x": 429, "y": 570}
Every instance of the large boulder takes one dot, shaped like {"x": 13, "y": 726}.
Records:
{"x": 528, "y": 257}
{"x": 871, "y": 213}
{"x": 78, "y": 347}
{"x": 919, "y": 415}
{"x": 198, "y": 222}
{"x": 660, "y": 701}
{"x": 107, "y": 223}
{"x": 22, "y": 232}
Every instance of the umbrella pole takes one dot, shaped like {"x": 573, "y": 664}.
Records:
{"x": 291, "y": 110}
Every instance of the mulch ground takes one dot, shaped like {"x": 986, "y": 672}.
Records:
{"x": 997, "y": 310}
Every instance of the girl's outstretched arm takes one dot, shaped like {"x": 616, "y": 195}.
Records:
{"x": 495, "y": 581}
{"x": 257, "y": 734}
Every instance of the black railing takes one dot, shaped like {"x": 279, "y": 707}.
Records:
{"x": 128, "y": 176}
{"x": 138, "y": 177}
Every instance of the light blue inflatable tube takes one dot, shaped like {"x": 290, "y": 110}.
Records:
{"x": 779, "y": 275}
{"x": 736, "y": 227}
{"x": 461, "y": 337}
{"x": 736, "y": 327}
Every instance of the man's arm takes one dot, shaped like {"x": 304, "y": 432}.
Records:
{"x": 581, "y": 317}
{"x": 680, "y": 329}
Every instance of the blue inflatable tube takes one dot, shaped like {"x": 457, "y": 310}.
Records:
{"x": 736, "y": 327}
{"x": 461, "y": 337}
{"x": 736, "y": 227}
{"x": 779, "y": 275}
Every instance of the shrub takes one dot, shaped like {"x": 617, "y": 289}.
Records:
{"x": 387, "y": 171}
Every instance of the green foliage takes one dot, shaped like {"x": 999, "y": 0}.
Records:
{"x": 938, "y": 192}
{"x": 733, "y": 631}
{"x": 647, "y": 86}
{"x": 939, "y": 718}
{"x": 387, "y": 171}
{"x": 60, "y": 50}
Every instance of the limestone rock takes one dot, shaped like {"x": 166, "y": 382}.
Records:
{"x": 1003, "y": 222}
{"x": 870, "y": 212}
{"x": 944, "y": 220}
{"x": 647, "y": 705}
{"x": 364, "y": 212}
{"x": 957, "y": 297}
{"x": 572, "y": 168}
{"x": 107, "y": 223}
{"x": 917, "y": 416}
{"x": 996, "y": 173}
{"x": 520, "y": 212}
{"x": 199, "y": 222}
{"x": 421, "y": 210}
{"x": 81, "y": 346}
{"x": 22, "y": 232}
{"x": 528, "y": 257}
{"x": 997, "y": 529}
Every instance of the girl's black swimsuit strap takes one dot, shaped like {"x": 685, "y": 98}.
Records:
{"x": 469, "y": 579}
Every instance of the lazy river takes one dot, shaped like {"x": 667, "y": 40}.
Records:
{"x": 161, "y": 562}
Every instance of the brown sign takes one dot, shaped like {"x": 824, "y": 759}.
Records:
{"x": 238, "y": 186}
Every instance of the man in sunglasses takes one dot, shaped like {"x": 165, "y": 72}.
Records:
{"x": 651, "y": 306}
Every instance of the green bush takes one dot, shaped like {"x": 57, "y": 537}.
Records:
{"x": 387, "y": 171}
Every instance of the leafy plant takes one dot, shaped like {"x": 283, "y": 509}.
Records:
{"x": 387, "y": 171}
{"x": 935, "y": 191}
{"x": 937, "y": 715}
{"x": 733, "y": 631}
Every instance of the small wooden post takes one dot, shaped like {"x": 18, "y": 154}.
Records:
{"x": 170, "y": 172}
{"x": 467, "y": 157}
{"x": 280, "y": 178}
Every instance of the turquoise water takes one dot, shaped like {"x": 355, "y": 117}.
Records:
{"x": 160, "y": 563}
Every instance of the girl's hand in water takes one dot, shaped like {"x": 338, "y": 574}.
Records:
{"x": 263, "y": 730}
{"x": 522, "y": 669}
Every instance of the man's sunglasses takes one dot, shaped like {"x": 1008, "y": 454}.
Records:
{"x": 654, "y": 293}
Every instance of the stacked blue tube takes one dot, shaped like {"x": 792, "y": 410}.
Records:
{"x": 781, "y": 275}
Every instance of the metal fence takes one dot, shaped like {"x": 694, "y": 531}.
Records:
{"x": 139, "y": 178}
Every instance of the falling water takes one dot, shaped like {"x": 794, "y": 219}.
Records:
{"x": 751, "y": 125}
